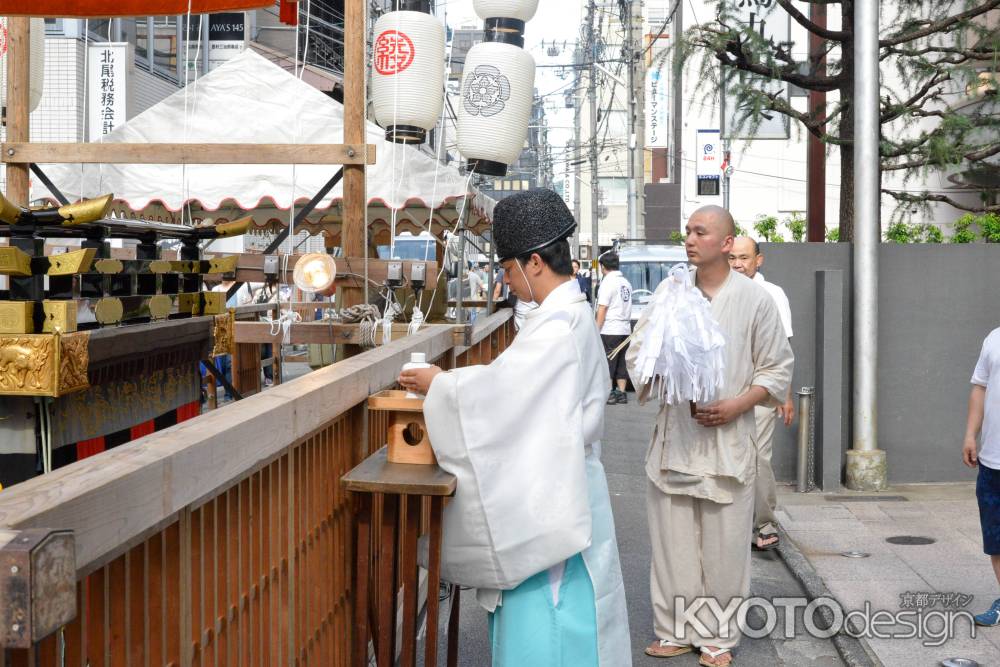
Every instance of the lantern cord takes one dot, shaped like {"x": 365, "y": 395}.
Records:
{"x": 86, "y": 97}
{"x": 442, "y": 149}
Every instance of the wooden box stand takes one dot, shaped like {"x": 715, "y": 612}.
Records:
{"x": 408, "y": 440}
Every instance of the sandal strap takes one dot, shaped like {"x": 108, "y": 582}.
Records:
{"x": 713, "y": 654}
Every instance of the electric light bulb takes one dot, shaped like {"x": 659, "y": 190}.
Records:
{"x": 314, "y": 272}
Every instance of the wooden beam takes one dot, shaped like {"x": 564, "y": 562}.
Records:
{"x": 21, "y": 152}
{"x": 355, "y": 196}
{"x": 310, "y": 333}
{"x": 18, "y": 50}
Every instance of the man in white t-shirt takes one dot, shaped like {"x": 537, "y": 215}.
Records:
{"x": 984, "y": 421}
{"x": 614, "y": 320}
{"x": 747, "y": 259}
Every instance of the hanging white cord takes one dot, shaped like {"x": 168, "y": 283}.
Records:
{"x": 85, "y": 117}
{"x": 283, "y": 325}
{"x": 185, "y": 186}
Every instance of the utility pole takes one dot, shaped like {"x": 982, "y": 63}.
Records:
{"x": 866, "y": 463}
{"x": 577, "y": 153}
{"x": 594, "y": 183}
{"x": 677, "y": 112}
{"x": 637, "y": 119}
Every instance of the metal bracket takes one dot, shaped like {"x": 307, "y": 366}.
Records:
{"x": 37, "y": 585}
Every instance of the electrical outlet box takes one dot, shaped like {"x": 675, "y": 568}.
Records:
{"x": 394, "y": 274}
{"x": 418, "y": 274}
{"x": 271, "y": 265}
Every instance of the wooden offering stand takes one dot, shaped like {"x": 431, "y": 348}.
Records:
{"x": 408, "y": 441}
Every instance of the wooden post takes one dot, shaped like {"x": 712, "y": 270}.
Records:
{"x": 355, "y": 195}
{"x": 18, "y": 86}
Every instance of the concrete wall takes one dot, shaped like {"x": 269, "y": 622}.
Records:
{"x": 936, "y": 305}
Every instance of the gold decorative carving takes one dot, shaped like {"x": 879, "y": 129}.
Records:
{"x": 109, "y": 310}
{"x": 214, "y": 303}
{"x": 14, "y": 262}
{"x": 85, "y": 211}
{"x": 109, "y": 266}
{"x": 44, "y": 364}
{"x": 222, "y": 334}
{"x": 223, "y": 264}
{"x": 234, "y": 228}
{"x": 9, "y": 213}
{"x": 68, "y": 263}
{"x": 60, "y": 316}
{"x": 16, "y": 317}
{"x": 160, "y": 306}
{"x": 74, "y": 360}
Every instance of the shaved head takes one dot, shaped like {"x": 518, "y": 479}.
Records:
{"x": 717, "y": 216}
{"x": 746, "y": 244}
{"x": 745, "y": 256}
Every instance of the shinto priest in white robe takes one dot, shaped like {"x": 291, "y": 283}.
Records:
{"x": 522, "y": 435}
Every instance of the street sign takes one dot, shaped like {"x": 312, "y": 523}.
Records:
{"x": 658, "y": 103}
{"x": 709, "y": 154}
{"x": 107, "y": 64}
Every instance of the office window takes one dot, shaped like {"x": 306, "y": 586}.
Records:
{"x": 165, "y": 46}
{"x": 614, "y": 191}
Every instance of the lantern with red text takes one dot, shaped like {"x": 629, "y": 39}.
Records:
{"x": 408, "y": 75}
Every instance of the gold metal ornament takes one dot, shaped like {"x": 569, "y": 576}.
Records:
{"x": 109, "y": 310}
{"x": 109, "y": 266}
{"x": 160, "y": 306}
{"x": 234, "y": 228}
{"x": 9, "y": 212}
{"x": 44, "y": 364}
{"x": 14, "y": 261}
{"x": 222, "y": 334}
{"x": 85, "y": 211}
{"x": 69, "y": 263}
{"x": 16, "y": 317}
{"x": 60, "y": 316}
{"x": 223, "y": 264}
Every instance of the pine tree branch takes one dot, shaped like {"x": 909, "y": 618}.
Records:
{"x": 733, "y": 56}
{"x": 910, "y": 198}
{"x": 904, "y": 148}
{"x": 941, "y": 25}
{"x": 803, "y": 20}
{"x": 897, "y": 111}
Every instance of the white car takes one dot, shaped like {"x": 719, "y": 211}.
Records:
{"x": 645, "y": 267}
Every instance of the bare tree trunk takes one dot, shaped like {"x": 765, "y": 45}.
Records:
{"x": 847, "y": 125}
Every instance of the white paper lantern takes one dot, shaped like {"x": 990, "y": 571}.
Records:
{"x": 522, "y": 10}
{"x": 497, "y": 90}
{"x": 37, "y": 65}
{"x": 408, "y": 74}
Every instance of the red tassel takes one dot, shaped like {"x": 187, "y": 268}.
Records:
{"x": 289, "y": 12}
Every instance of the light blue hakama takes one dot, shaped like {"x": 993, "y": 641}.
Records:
{"x": 528, "y": 630}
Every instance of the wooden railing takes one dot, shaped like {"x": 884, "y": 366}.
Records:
{"x": 227, "y": 539}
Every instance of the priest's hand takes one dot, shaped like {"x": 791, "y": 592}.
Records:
{"x": 721, "y": 412}
{"x": 418, "y": 379}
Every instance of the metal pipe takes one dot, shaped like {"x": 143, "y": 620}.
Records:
{"x": 867, "y": 225}
{"x": 805, "y": 420}
{"x": 594, "y": 182}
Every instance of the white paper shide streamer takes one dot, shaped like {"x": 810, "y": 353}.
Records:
{"x": 682, "y": 354}
{"x": 497, "y": 91}
{"x": 408, "y": 74}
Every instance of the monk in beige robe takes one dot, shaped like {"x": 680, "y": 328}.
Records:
{"x": 701, "y": 468}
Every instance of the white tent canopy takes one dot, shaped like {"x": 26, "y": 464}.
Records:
{"x": 251, "y": 100}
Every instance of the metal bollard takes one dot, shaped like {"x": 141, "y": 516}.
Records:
{"x": 805, "y": 411}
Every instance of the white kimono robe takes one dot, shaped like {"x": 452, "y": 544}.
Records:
{"x": 522, "y": 435}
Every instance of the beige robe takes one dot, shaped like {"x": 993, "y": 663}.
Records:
{"x": 700, "y": 493}
{"x": 689, "y": 459}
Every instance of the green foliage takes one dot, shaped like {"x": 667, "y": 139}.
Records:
{"x": 677, "y": 237}
{"x": 963, "y": 229}
{"x": 903, "y": 232}
{"x": 797, "y": 227}
{"x": 833, "y": 235}
{"x": 899, "y": 232}
{"x": 989, "y": 225}
{"x": 766, "y": 227}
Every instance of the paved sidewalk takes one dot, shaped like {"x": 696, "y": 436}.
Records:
{"x": 823, "y": 526}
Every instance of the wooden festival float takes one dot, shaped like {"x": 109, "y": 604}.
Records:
{"x": 225, "y": 539}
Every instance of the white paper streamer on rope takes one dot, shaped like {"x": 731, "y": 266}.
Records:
{"x": 283, "y": 325}
{"x": 682, "y": 354}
